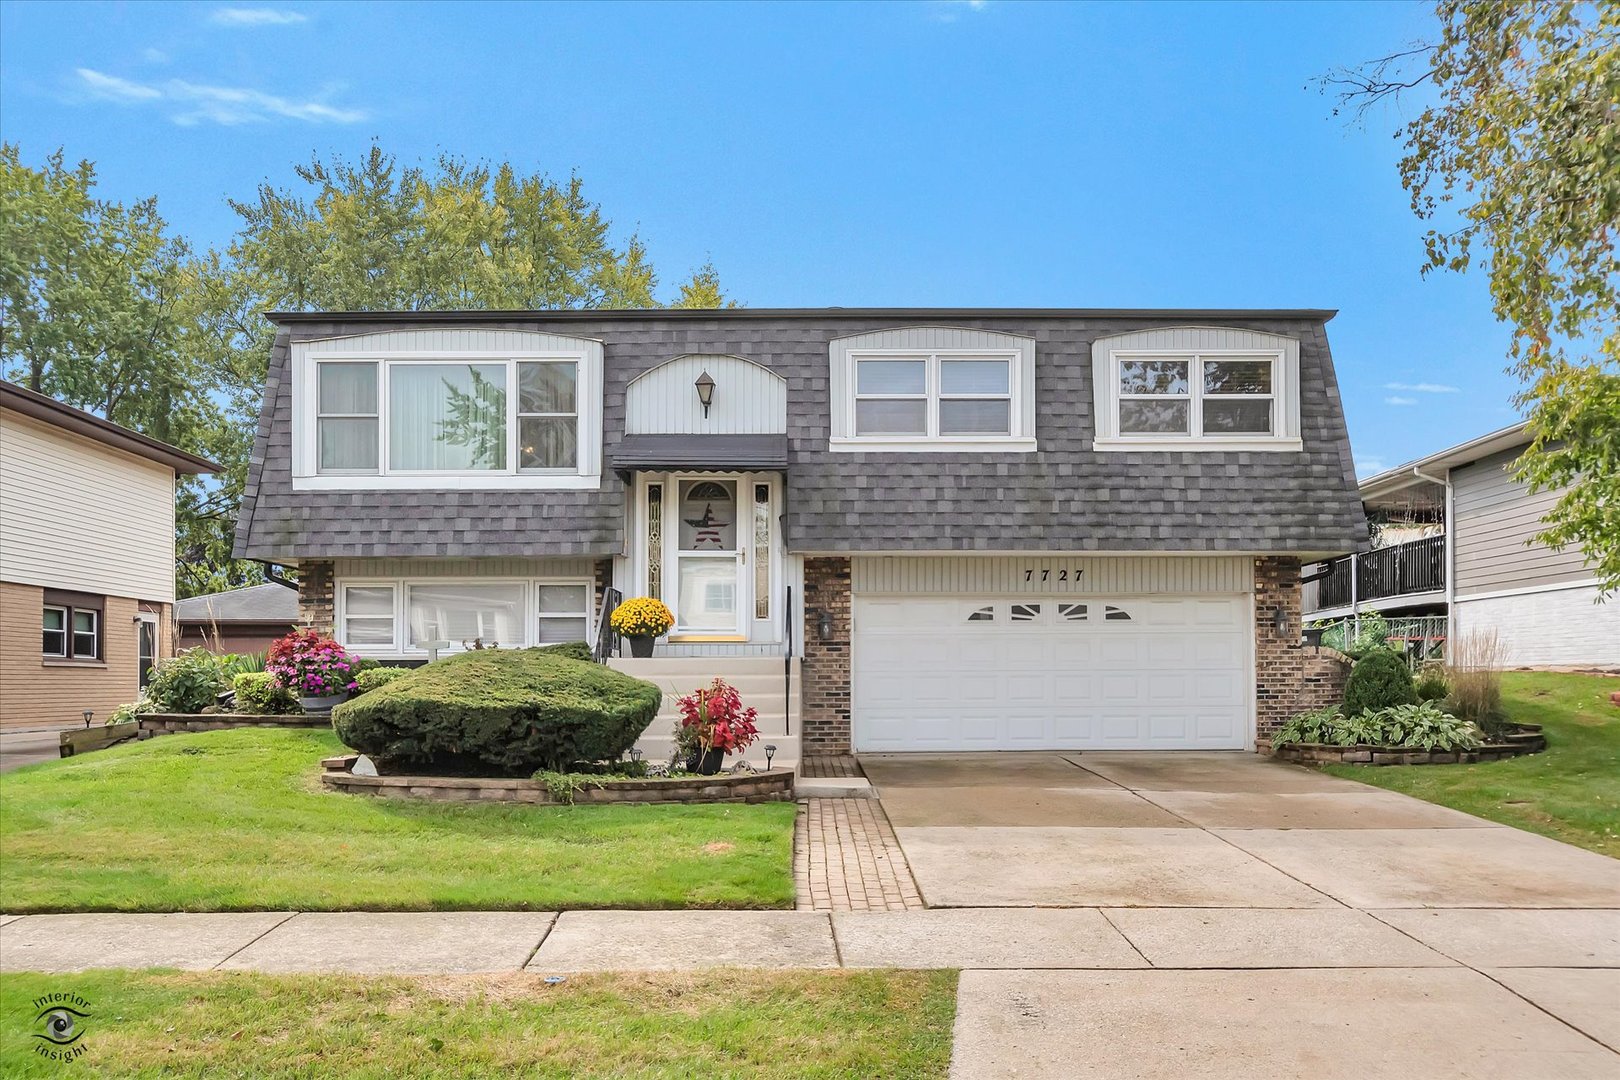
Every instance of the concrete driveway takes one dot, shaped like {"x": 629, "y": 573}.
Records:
{"x": 1280, "y": 922}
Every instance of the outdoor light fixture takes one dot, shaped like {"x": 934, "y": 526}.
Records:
{"x": 1279, "y": 620}
{"x": 705, "y": 389}
{"x": 89, "y": 714}
{"x": 824, "y": 627}
{"x": 770, "y": 752}
{"x": 635, "y": 753}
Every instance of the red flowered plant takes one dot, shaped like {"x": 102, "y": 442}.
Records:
{"x": 717, "y": 716}
{"x": 311, "y": 665}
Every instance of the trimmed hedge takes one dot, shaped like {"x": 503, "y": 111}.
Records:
{"x": 1379, "y": 680}
{"x": 507, "y": 712}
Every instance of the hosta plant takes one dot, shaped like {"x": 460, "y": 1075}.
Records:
{"x": 641, "y": 616}
{"x": 1316, "y": 726}
{"x": 718, "y": 717}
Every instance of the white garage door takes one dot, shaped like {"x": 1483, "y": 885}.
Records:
{"x": 1034, "y": 673}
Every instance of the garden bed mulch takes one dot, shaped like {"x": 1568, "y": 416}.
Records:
{"x": 771, "y": 785}
{"x": 1528, "y": 739}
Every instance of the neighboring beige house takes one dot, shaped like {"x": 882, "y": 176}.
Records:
{"x": 1456, "y": 539}
{"x": 86, "y": 559}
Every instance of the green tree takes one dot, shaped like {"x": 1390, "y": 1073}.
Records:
{"x": 1517, "y": 167}
{"x": 703, "y": 290}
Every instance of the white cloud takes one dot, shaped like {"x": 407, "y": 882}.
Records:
{"x": 190, "y": 103}
{"x": 112, "y": 88}
{"x": 950, "y": 10}
{"x": 256, "y": 17}
{"x": 154, "y": 56}
{"x": 1400, "y": 401}
{"x": 1369, "y": 466}
{"x": 1422, "y": 388}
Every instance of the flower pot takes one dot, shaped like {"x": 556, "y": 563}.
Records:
{"x": 642, "y": 646}
{"x": 706, "y": 763}
{"x": 322, "y": 703}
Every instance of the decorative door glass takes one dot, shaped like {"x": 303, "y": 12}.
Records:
{"x": 708, "y": 556}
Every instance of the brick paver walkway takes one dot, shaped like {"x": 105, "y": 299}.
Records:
{"x": 846, "y": 858}
{"x": 816, "y": 766}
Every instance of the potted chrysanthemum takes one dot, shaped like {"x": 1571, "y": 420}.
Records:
{"x": 314, "y": 667}
{"x": 642, "y": 619}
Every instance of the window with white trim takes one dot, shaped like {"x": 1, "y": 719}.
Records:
{"x": 1196, "y": 398}
{"x": 402, "y": 617}
{"x": 428, "y": 416}
{"x": 56, "y": 631}
{"x": 71, "y": 625}
{"x": 937, "y": 395}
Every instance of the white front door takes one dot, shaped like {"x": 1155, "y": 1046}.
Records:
{"x": 1051, "y": 673}
{"x": 710, "y": 553}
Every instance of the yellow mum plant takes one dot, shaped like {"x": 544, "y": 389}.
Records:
{"x": 641, "y": 616}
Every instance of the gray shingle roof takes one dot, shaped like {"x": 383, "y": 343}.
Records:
{"x": 256, "y": 603}
{"x": 1064, "y": 497}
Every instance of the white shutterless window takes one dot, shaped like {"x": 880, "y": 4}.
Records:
{"x": 369, "y": 616}
{"x": 934, "y": 395}
{"x": 346, "y": 426}
{"x": 1198, "y": 400}
{"x": 563, "y": 611}
{"x": 463, "y": 611}
{"x": 548, "y": 416}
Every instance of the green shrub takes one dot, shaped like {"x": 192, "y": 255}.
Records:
{"x": 1425, "y": 727}
{"x": 509, "y": 712}
{"x": 573, "y": 650}
{"x": 257, "y": 692}
{"x": 134, "y": 710}
{"x": 1432, "y": 685}
{"x": 1379, "y": 680}
{"x": 187, "y": 682}
{"x": 233, "y": 664}
{"x": 372, "y": 677}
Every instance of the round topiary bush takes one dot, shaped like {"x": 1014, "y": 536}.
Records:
{"x": 1379, "y": 680}
{"x": 506, "y": 712}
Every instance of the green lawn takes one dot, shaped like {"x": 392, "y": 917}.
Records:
{"x": 1571, "y": 792}
{"x": 237, "y": 820}
{"x": 718, "y": 1024}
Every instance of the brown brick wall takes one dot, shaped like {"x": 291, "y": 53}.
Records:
{"x": 825, "y": 670}
{"x": 1289, "y": 678}
{"x": 316, "y": 604}
{"x": 36, "y": 692}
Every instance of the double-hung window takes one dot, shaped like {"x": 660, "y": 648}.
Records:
{"x": 71, "y": 627}
{"x": 410, "y": 617}
{"x": 429, "y": 417}
{"x": 933, "y": 396}
{"x": 1197, "y": 396}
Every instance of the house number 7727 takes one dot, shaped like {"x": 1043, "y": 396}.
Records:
{"x": 1046, "y": 573}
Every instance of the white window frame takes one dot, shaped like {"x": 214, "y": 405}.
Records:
{"x": 403, "y": 649}
{"x": 67, "y": 632}
{"x": 585, "y": 475}
{"x": 1016, "y": 439}
{"x": 94, "y": 632}
{"x": 375, "y": 414}
{"x": 589, "y": 614}
{"x": 518, "y": 416}
{"x": 1284, "y": 397}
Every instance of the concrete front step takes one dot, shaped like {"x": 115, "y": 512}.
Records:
{"x": 759, "y": 681}
{"x": 688, "y": 666}
{"x": 660, "y": 747}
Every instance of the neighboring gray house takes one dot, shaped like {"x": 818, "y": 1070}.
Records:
{"x": 963, "y": 529}
{"x": 242, "y": 620}
{"x": 1455, "y": 539}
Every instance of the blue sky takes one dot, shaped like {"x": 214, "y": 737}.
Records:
{"x": 930, "y": 153}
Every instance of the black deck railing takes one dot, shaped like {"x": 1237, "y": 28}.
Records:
{"x": 606, "y": 639}
{"x": 1417, "y": 566}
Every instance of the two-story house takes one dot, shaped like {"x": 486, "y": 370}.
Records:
{"x": 1456, "y": 554}
{"x": 86, "y": 559}
{"x": 928, "y": 529}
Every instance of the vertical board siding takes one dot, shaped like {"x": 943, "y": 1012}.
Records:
{"x": 463, "y": 568}
{"x": 1493, "y": 517}
{"x": 748, "y": 399}
{"x": 75, "y": 514}
{"x": 927, "y": 339}
{"x": 1098, "y": 576}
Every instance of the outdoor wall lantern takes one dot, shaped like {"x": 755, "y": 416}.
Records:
{"x": 824, "y": 625}
{"x": 705, "y": 389}
{"x": 1279, "y": 620}
{"x": 89, "y": 714}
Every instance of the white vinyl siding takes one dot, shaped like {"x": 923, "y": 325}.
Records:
{"x": 77, "y": 515}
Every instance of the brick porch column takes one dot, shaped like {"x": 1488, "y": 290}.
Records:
{"x": 316, "y": 605}
{"x": 825, "y": 667}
